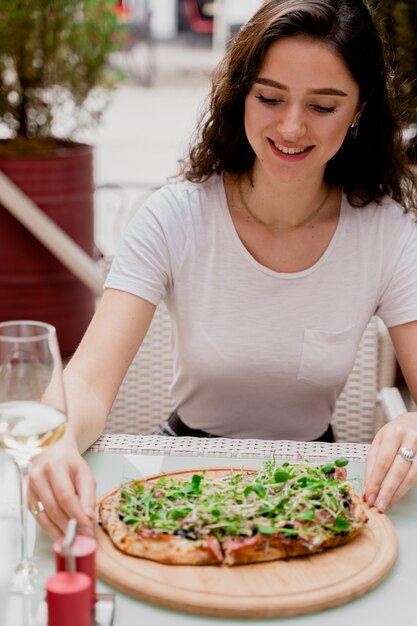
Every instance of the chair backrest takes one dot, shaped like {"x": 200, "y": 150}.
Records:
{"x": 359, "y": 414}
{"x": 144, "y": 400}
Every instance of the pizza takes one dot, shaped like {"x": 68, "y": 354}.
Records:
{"x": 235, "y": 516}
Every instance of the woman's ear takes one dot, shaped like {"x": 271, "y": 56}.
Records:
{"x": 359, "y": 112}
{"x": 354, "y": 127}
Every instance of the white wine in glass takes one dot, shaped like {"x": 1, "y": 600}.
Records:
{"x": 32, "y": 412}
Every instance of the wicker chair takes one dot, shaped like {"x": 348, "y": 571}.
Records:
{"x": 369, "y": 399}
{"x": 366, "y": 403}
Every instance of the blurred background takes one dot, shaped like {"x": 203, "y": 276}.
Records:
{"x": 165, "y": 68}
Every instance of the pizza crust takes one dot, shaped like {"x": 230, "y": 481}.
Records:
{"x": 168, "y": 549}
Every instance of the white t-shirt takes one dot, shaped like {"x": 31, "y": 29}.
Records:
{"x": 258, "y": 353}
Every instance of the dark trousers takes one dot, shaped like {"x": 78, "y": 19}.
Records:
{"x": 175, "y": 427}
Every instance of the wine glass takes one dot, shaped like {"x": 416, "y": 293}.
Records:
{"x": 32, "y": 413}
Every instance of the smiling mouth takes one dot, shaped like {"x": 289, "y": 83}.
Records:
{"x": 285, "y": 150}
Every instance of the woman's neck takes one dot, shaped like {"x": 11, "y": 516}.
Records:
{"x": 283, "y": 204}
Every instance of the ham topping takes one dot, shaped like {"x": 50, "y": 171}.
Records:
{"x": 340, "y": 473}
{"x": 212, "y": 544}
{"x": 231, "y": 545}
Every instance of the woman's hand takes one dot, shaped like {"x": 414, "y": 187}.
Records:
{"x": 61, "y": 481}
{"x": 388, "y": 475}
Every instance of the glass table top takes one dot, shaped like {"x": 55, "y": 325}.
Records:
{"x": 393, "y": 598}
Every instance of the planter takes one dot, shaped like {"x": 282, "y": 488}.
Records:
{"x": 33, "y": 283}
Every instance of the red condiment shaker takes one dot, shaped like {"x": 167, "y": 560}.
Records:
{"x": 77, "y": 553}
{"x": 68, "y": 596}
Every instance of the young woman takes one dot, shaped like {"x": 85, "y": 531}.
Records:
{"x": 292, "y": 226}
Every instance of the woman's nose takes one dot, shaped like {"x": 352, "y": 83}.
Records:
{"x": 291, "y": 123}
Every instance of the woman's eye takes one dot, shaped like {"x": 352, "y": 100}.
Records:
{"x": 267, "y": 100}
{"x": 321, "y": 109}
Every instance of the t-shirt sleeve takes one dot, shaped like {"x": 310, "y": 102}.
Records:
{"x": 152, "y": 247}
{"x": 398, "y": 303}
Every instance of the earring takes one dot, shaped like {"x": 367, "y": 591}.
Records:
{"x": 354, "y": 129}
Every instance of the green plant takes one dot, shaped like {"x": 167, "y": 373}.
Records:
{"x": 397, "y": 20}
{"x": 53, "y": 70}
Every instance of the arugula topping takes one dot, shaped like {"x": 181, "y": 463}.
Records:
{"x": 294, "y": 500}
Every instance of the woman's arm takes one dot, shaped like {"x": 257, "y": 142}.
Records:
{"x": 60, "y": 478}
{"x": 96, "y": 371}
{"x": 388, "y": 476}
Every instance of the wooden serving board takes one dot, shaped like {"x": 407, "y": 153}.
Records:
{"x": 260, "y": 590}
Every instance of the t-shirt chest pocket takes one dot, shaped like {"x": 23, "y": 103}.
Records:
{"x": 327, "y": 357}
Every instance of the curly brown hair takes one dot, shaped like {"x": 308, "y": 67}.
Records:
{"x": 366, "y": 167}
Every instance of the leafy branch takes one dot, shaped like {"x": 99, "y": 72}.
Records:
{"x": 53, "y": 58}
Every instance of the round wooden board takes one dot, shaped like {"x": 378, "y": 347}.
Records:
{"x": 260, "y": 590}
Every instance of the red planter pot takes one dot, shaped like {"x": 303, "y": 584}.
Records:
{"x": 33, "y": 283}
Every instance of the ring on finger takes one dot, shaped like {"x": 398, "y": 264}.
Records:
{"x": 407, "y": 454}
{"x": 37, "y": 508}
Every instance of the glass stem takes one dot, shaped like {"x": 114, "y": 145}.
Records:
{"x": 23, "y": 467}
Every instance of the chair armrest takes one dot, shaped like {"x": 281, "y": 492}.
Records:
{"x": 387, "y": 363}
{"x": 392, "y": 402}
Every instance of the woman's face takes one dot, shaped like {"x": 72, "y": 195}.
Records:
{"x": 299, "y": 109}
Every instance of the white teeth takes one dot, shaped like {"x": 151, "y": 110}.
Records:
{"x": 289, "y": 150}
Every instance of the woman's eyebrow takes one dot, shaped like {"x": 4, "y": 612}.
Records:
{"x": 325, "y": 91}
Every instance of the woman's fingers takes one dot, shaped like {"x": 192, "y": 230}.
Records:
{"x": 370, "y": 491}
{"x": 378, "y": 464}
{"x": 66, "y": 488}
{"x": 85, "y": 486}
{"x": 41, "y": 491}
{"x": 42, "y": 517}
{"x": 408, "y": 481}
{"x": 388, "y": 475}
{"x": 68, "y": 496}
{"x": 398, "y": 476}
